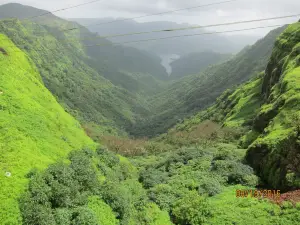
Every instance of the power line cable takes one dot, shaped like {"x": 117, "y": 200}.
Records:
{"x": 187, "y": 35}
{"x": 187, "y": 28}
{"x": 184, "y": 28}
{"x": 118, "y": 35}
{"x": 62, "y": 9}
{"x": 153, "y": 14}
{"x": 197, "y": 27}
{"x": 177, "y": 36}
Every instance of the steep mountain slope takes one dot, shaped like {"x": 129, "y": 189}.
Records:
{"x": 268, "y": 106}
{"x": 275, "y": 154}
{"x": 180, "y": 46}
{"x": 102, "y": 84}
{"x": 113, "y": 58}
{"x": 13, "y": 10}
{"x": 34, "y": 129}
{"x": 195, "y": 63}
{"x": 193, "y": 93}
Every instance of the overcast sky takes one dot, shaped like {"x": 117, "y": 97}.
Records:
{"x": 226, "y": 12}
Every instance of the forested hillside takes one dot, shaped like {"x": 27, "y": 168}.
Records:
{"x": 268, "y": 108}
{"x": 96, "y": 187}
{"x": 99, "y": 85}
{"x": 195, "y": 92}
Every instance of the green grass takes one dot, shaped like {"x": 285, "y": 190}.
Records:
{"x": 34, "y": 129}
{"x": 248, "y": 101}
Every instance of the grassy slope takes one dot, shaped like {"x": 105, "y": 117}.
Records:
{"x": 104, "y": 85}
{"x": 34, "y": 128}
{"x": 275, "y": 153}
{"x": 268, "y": 106}
{"x": 80, "y": 88}
{"x": 193, "y": 93}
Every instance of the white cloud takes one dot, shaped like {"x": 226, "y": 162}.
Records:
{"x": 226, "y": 12}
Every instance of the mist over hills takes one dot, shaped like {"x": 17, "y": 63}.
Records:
{"x": 179, "y": 46}
{"x": 197, "y": 91}
{"x": 196, "y": 62}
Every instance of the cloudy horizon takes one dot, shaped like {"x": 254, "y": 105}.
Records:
{"x": 238, "y": 10}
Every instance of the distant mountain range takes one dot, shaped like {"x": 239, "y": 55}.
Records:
{"x": 179, "y": 46}
{"x": 195, "y": 63}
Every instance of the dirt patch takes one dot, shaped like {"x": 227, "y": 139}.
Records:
{"x": 292, "y": 196}
{"x": 2, "y": 50}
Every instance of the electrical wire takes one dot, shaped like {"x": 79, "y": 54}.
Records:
{"x": 185, "y": 28}
{"x": 198, "y": 27}
{"x": 62, "y": 9}
{"x": 178, "y": 36}
{"x": 153, "y": 14}
{"x": 187, "y": 35}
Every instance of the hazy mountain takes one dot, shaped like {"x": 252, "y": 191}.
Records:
{"x": 179, "y": 46}
{"x": 195, "y": 63}
{"x": 195, "y": 92}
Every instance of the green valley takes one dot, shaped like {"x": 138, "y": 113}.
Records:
{"x": 96, "y": 133}
{"x": 190, "y": 94}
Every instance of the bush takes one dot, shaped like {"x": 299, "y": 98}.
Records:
{"x": 83, "y": 216}
{"x": 151, "y": 177}
{"x": 62, "y": 216}
{"x": 118, "y": 198}
{"x": 191, "y": 209}
{"x": 52, "y": 193}
{"x": 103, "y": 212}
{"x": 164, "y": 196}
{"x": 210, "y": 187}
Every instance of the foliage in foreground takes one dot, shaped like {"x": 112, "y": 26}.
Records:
{"x": 94, "y": 188}
{"x": 34, "y": 129}
{"x": 198, "y": 186}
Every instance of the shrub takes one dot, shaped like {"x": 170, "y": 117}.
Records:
{"x": 164, "y": 196}
{"x": 118, "y": 198}
{"x": 83, "y": 216}
{"x": 62, "y": 216}
{"x": 210, "y": 186}
{"x": 151, "y": 177}
{"x": 191, "y": 209}
{"x": 103, "y": 212}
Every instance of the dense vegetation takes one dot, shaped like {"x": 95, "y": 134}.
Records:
{"x": 113, "y": 86}
{"x": 34, "y": 129}
{"x": 103, "y": 85}
{"x": 268, "y": 106}
{"x": 193, "y": 93}
{"x": 53, "y": 173}
{"x": 189, "y": 185}
{"x": 94, "y": 188}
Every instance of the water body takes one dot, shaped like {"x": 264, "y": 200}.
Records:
{"x": 166, "y": 61}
